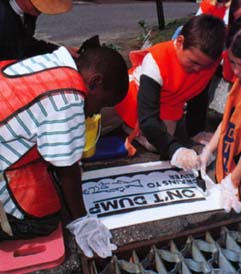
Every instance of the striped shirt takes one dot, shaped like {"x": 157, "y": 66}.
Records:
{"x": 56, "y": 124}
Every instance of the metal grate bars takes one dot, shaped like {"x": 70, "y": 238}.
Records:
{"x": 197, "y": 255}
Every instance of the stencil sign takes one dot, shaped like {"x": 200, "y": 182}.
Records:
{"x": 140, "y": 193}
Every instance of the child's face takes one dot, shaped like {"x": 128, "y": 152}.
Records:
{"x": 96, "y": 100}
{"x": 235, "y": 64}
{"x": 98, "y": 96}
{"x": 93, "y": 103}
{"x": 192, "y": 59}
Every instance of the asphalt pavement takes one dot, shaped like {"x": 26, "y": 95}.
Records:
{"x": 111, "y": 21}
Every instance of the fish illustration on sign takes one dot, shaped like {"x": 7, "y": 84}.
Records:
{"x": 118, "y": 186}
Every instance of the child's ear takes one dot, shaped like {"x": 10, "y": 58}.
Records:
{"x": 179, "y": 42}
{"x": 96, "y": 80}
{"x": 213, "y": 2}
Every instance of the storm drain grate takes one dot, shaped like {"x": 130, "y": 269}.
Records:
{"x": 206, "y": 254}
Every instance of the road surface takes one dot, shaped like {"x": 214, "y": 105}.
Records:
{"x": 110, "y": 21}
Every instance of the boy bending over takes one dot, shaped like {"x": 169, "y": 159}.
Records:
{"x": 166, "y": 76}
{"x": 44, "y": 103}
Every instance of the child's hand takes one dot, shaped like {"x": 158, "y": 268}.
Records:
{"x": 185, "y": 158}
{"x": 92, "y": 236}
{"x": 230, "y": 198}
{"x": 228, "y": 186}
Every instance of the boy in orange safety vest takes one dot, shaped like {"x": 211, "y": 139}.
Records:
{"x": 44, "y": 103}
{"x": 164, "y": 77}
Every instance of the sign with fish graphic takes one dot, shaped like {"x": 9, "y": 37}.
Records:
{"x": 145, "y": 192}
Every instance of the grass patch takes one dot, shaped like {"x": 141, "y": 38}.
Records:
{"x": 154, "y": 34}
{"x": 166, "y": 34}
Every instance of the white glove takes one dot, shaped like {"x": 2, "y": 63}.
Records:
{"x": 206, "y": 158}
{"x": 202, "y": 137}
{"x": 185, "y": 158}
{"x": 228, "y": 186}
{"x": 92, "y": 236}
{"x": 230, "y": 198}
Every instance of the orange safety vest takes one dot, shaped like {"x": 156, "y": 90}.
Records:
{"x": 208, "y": 8}
{"x": 229, "y": 145}
{"x": 30, "y": 174}
{"x": 178, "y": 85}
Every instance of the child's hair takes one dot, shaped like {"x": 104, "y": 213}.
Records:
{"x": 111, "y": 65}
{"x": 223, "y": 1}
{"x": 206, "y": 33}
{"x": 235, "y": 45}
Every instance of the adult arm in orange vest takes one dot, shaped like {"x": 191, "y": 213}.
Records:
{"x": 231, "y": 182}
{"x": 207, "y": 154}
{"x": 228, "y": 163}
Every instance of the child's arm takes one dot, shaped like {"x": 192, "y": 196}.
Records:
{"x": 90, "y": 234}
{"x": 213, "y": 144}
{"x": 150, "y": 124}
{"x": 70, "y": 179}
{"x": 206, "y": 155}
{"x": 156, "y": 131}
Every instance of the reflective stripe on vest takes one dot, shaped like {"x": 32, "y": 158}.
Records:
{"x": 17, "y": 92}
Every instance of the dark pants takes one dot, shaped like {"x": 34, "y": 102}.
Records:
{"x": 30, "y": 227}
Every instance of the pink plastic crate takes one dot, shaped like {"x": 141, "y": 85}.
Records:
{"x": 24, "y": 256}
